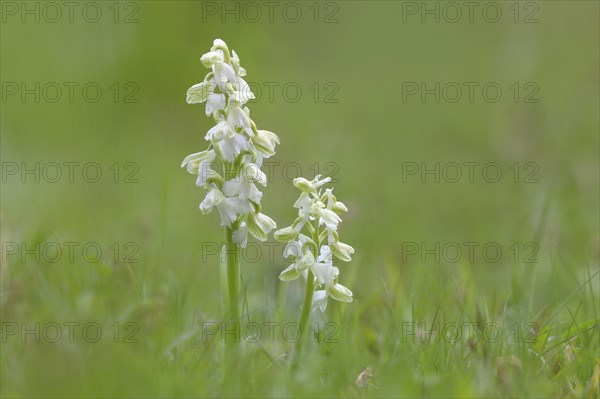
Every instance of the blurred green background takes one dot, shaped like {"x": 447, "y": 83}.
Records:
{"x": 353, "y": 62}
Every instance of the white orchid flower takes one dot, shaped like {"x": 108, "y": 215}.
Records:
{"x": 298, "y": 268}
{"x": 229, "y": 210}
{"x": 212, "y": 199}
{"x": 212, "y": 57}
{"x": 215, "y": 102}
{"x": 223, "y": 72}
{"x": 240, "y": 235}
{"x": 335, "y": 291}
{"x": 206, "y": 174}
{"x": 303, "y": 204}
{"x": 308, "y": 186}
{"x": 265, "y": 142}
{"x": 238, "y": 118}
{"x": 244, "y": 190}
{"x": 326, "y": 216}
{"x": 326, "y": 275}
{"x": 240, "y": 91}
{"x": 198, "y": 93}
{"x": 215, "y": 59}
{"x": 260, "y": 225}
{"x": 194, "y": 162}
{"x": 219, "y": 132}
{"x": 342, "y": 251}
{"x": 230, "y": 143}
{"x": 233, "y": 146}
{"x": 235, "y": 62}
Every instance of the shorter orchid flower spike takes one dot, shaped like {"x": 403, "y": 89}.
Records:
{"x": 318, "y": 214}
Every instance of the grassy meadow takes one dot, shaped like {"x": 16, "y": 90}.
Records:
{"x": 464, "y": 141}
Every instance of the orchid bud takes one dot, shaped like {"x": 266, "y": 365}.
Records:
{"x": 286, "y": 234}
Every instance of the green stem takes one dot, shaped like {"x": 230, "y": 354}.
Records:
{"x": 233, "y": 275}
{"x": 306, "y": 305}
{"x": 304, "y": 316}
{"x": 233, "y": 278}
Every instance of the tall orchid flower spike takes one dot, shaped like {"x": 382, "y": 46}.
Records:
{"x": 319, "y": 216}
{"x": 229, "y": 169}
